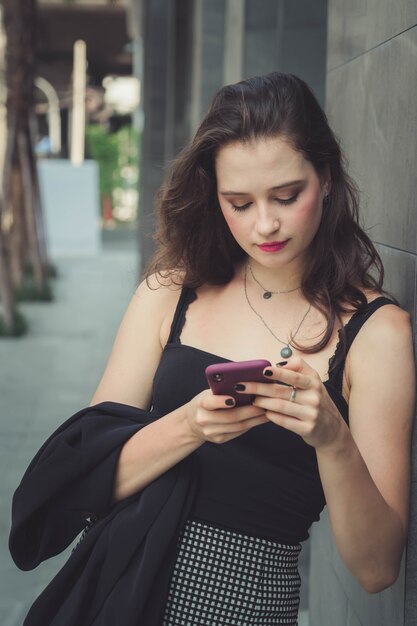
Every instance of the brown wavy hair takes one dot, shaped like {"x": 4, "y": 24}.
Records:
{"x": 194, "y": 239}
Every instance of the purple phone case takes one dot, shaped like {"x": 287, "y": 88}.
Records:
{"x": 222, "y": 377}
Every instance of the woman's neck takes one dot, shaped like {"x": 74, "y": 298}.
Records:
{"x": 284, "y": 279}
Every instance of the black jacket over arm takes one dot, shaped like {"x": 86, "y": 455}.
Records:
{"x": 120, "y": 572}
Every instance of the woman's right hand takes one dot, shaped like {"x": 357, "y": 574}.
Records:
{"x": 209, "y": 418}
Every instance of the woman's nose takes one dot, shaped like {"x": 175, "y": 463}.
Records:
{"x": 267, "y": 222}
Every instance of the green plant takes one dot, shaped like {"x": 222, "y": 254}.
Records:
{"x": 29, "y": 292}
{"x": 19, "y": 326}
{"x": 50, "y": 270}
{"x": 102, "y": 146}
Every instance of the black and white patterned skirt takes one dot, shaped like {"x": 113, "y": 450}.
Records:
{"x": 225, "y": 577}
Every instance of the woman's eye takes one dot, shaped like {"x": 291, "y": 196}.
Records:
{"x": 241, "y": 207}
{"x": 288, "y": 200}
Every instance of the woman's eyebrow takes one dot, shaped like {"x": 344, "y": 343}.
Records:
{"x": 275, "y": 188}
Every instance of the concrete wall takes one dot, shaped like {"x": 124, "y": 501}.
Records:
{"x": 371, "y": 100}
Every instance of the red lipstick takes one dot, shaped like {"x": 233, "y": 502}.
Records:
{"x": 273, "y": 246}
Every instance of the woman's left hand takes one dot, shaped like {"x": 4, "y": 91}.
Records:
{"x": 311, "y": 413}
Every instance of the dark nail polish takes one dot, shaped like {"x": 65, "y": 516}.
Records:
{"x": 281, "y": 363}
{"x": 230, "y": 402}
{"x": 240, "y": 387}
{"x": 268, "y": 373}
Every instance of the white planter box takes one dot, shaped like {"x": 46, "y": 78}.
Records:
{"x": 71, "y": 205}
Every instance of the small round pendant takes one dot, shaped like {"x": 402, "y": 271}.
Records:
{"x": 267, "y": 295}
{"x": 286, "y": 352}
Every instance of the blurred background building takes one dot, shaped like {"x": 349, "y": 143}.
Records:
{"x": 152, "y": 68}
{"x": 112, "y": 96}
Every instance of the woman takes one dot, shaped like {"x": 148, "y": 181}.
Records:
{"x": 261, "y": 256}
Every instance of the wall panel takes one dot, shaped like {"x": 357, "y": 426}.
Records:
{"x": 357, "y": 26}
{"x": 371, "y": 103}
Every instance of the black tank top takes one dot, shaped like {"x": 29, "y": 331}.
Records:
{"x": 265, "y": 482}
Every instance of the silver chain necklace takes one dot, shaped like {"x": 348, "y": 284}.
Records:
{"x": 285, "y": 352}
{"x": 267, "y": 294}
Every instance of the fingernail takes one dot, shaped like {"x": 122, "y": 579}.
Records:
{"x": 268, "y": 373}
{"x": 281, "y": 363}
{"x": 230, "y": 402}
{"x": 240, "y": 387}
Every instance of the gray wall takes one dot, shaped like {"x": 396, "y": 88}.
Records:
{"x": 371, "y": 100}
{"x": 289, "y": 36}
{"x": 167, "y": 28}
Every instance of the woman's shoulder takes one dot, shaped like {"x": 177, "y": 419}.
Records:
{"x": 390, "y": 310}
{"x": 137, "y": 347}
{"x": 375, "y": 301}
{"x": 160, "y": 293}
{"x": 390, "y": 322}
{"x": 387, "y": 314}
{"x": 386, "y": 332}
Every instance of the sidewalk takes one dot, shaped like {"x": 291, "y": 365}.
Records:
{"x": 50, "y": 374}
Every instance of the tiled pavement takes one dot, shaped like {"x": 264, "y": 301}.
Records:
{"x": 50, "y": 374}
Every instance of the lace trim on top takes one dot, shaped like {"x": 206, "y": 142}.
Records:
{"x": 338, "y": 348}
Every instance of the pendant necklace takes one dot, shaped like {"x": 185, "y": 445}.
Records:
{"x": 267, "y": 294}
{"x": 286, "y": 352}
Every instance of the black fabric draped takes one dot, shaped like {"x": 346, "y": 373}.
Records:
{"x": 120, "y": 572}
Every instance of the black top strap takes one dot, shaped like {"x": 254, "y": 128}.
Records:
{"x": 350, "y": 330}
{"x": 187, "y": 296}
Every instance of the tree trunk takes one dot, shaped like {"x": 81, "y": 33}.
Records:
{"x": 37, "y": 203}
{"x": 30, "y": 216}
{"x": 6, "y": 287}
{"x": 20, "y": 25}
{"x": 6, "y": 225}
{"x": 18, "y": 235}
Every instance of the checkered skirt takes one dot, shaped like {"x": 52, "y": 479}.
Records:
{"x": 225, "y": 577}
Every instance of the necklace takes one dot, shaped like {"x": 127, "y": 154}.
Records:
{"x": 267, "y": 293}
{"x": 285, "y": 352}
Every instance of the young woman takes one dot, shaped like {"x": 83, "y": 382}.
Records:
{"x": 261, "y": 256}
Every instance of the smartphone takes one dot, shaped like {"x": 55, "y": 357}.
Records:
{"x": 222, "y": 378}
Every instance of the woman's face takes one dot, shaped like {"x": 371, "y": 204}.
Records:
{"x": 271, "y": 199}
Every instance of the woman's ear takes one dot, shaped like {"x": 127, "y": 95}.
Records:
{"x": 326, "y": 179}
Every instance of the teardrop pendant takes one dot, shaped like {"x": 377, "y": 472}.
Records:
{"x": 267, "y": 295}
{"x": 286, "y": 352}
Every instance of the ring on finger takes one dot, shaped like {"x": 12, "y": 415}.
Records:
{"x": 293, "y": 394}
